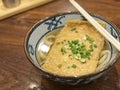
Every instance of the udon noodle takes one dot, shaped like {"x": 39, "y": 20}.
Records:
{"x": 104, "y": 59}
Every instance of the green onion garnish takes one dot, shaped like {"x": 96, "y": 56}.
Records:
{"x": 63, "y": 50}
{"x": 59, "y": 66}
{"x": 58, "y": 43}
{"x": 73, "y": 66}
{"x": 91, "y": 40}
{"x": 73, "y": 29}
{"x": 79, "y": 50}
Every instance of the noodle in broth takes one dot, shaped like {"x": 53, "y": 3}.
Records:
{"x": 48, "y": 41}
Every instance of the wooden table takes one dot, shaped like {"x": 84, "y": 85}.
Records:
{"x": 17, "y": 72}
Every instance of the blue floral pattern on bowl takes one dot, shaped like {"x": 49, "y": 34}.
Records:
{"x": 54, "y": 22}
{"x": 44, "y": 26}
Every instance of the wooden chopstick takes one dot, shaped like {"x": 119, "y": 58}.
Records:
{"x": 104, "y": 32}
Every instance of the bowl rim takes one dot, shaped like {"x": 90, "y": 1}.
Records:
{"x": 67, "y": 77}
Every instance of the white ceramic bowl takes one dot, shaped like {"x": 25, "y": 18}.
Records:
{"x": 43, "y": 27}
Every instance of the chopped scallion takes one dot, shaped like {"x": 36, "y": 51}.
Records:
{"x": 73, "y": 29}
{"x": 73, "y": 66}
{"x": 90, "y": 39}
{"x": 78, "y": 49}
{"x": 63, "y": 50}
{"x": 59, "y": 65}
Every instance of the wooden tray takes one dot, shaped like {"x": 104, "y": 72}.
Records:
{"x": 25, "y": 5}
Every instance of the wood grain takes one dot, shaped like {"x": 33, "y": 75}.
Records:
{"x": 24, "y": 5}
{"x": 18, "y": 73}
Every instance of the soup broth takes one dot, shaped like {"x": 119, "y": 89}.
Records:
{"x": 73, "y": 50}
{"x": 45, "y": 44}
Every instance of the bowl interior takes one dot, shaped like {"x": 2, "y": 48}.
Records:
{"x": 35, "y": 38}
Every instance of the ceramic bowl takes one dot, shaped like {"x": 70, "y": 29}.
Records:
{"x": 45, "y": 26}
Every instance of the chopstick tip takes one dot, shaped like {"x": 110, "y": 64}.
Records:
{"x": 71, "y": 0}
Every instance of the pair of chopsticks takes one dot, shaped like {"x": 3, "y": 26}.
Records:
{"x": 104, "y": 32}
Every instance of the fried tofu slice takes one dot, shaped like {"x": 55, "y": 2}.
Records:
{"x": 76, "y": 50}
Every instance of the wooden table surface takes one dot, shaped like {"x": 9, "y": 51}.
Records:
{"x": 18, "y": 73}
